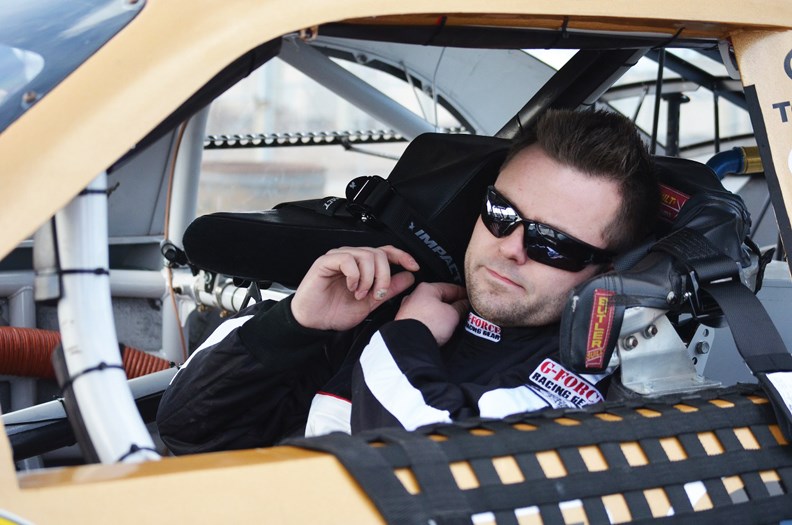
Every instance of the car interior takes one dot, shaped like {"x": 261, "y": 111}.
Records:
{"x": 217, "y": 262}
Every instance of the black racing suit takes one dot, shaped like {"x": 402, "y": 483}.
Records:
{"x": 262, "y": 377}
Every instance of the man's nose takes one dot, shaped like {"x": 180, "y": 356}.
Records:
{"x": 511, "y": 246}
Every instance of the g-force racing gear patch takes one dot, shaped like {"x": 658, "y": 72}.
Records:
{"x": 560, "y": 382}
{"x": 482, "y": 328}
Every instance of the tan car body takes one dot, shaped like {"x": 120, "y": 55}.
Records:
{"x": 170, "y": 50}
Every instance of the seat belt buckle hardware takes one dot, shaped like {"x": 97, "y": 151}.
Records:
{"x": 704, "y": 308}
{"x": 367, "y": 197}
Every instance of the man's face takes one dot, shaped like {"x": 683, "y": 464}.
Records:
{"x": 504, "y": 285}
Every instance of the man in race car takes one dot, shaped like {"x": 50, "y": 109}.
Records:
{"x": 575, "y": 190}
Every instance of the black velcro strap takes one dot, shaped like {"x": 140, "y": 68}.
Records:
{"x": 378, "y": 203}
{"x": 693, "y": 249}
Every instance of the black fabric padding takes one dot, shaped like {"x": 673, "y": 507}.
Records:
{"x": 442, "y": 177}
{"x": 430, "y": 462}
{"x": 274, "y": 245}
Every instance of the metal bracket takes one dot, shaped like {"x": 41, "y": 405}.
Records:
{"x": 654, "y": 360}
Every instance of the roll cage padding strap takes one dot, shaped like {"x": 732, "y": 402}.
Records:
{"x": 432, "y": 456}
{"x": 755, "y": 335}
{"x": 377, "y": 203}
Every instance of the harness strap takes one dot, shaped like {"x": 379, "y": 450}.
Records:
{"x": 376, "y": 202}
{"x": 755, "y": 335}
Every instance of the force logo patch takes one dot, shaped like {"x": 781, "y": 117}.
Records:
{"x": 482, "y": 328}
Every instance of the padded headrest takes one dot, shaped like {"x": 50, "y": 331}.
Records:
{"x": 442, "y": 178}
{"x": 694, "y": 200}
{"x": 681, "y": 179}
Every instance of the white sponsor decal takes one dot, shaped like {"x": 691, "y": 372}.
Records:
{"x": 439, "y": 250}
{"x": 482, "y": 328}
{"x": 559, "y": 381}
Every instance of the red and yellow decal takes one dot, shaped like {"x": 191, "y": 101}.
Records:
{"x": 671, "y": 201}
{"x": 600, "y": 325}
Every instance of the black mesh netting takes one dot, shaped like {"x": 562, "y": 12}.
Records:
{"x": 700, "y": 458}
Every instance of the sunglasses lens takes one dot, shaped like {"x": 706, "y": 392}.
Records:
{"x": 542, "y": 243}
{"x": 545, "y": 245}
{"x": 498, "y": 215}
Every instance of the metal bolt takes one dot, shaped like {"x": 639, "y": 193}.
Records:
{"x": 630, "y": 342}
{"x": 650, "y": 331}
{"x": 29, "y": 97}
{"x": 702, "y": 347}
{"x": 671, "y": 297}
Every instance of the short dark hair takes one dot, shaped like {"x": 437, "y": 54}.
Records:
{"x": 602, "y": 144}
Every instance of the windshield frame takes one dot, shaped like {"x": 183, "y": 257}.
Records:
{"x": 43, "y": 41}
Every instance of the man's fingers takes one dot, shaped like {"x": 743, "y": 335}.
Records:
{"x": 400, "y": 257}
{"x": 382, "y": 275}
{"x": 367, "y": 271}
{"x": 398, "y": 283}
{"x": 449, "y": 293}
{"x": 367, "y": 266}
{"x": 348, "y": 267}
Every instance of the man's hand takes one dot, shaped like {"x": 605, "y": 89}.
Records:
{"x": 440, "y": 306}
{"x": 346, "y": 284}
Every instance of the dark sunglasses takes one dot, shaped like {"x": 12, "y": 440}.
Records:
{"x": 542, "y": 243}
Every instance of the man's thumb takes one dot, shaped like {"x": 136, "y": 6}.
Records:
{"x": 399, "y": 282}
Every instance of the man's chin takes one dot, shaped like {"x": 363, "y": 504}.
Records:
{"x": 500, "y": 313}
{"x": 513, "y": 313}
